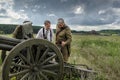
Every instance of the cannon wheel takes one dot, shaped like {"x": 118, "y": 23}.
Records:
{"x": 33, "y": 59}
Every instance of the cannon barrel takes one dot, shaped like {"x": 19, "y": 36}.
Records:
{"x": 6, "y": 47}
{"x": 8, "y": 43}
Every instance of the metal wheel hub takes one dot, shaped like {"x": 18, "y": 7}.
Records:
{"x": 35, "y": 68}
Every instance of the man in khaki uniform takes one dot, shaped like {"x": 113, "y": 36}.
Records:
{"x": 24, "y": 31}
{"x": 63, "y": 39}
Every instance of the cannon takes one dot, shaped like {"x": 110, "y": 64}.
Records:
{"x": 37, "y": 59}
{"x": 32, "y": 59}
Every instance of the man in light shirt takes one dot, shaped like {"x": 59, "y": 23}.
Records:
{"x": 46, "y": 32}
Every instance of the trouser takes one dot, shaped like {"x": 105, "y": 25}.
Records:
{"x": 64, "y": 52}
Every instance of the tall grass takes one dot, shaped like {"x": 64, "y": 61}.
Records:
{"x": 99, "y": 52}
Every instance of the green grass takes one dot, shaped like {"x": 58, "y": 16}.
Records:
{"x": 101, "y": 53}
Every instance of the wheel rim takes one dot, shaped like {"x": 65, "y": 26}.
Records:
{"x": 33, "y": 60}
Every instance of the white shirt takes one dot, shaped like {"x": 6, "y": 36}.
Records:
{"x": 49, "y": 37}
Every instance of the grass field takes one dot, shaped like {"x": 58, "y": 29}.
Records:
{"x": 101, "y": 53}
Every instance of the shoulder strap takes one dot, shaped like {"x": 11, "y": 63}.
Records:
{"x": 44, "y": 32}
{"x": 60, "y": 31}
{"x": 51, "y": 35}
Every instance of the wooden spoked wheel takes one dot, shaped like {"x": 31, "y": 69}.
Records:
{"x": 33, "y": 59}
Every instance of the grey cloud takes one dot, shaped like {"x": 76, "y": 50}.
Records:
{"x": 116, "y": 4}
{"x": 38, "y": 11}
{"x": 2, "y": 11}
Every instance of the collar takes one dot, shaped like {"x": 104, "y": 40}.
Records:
{"x": 64, "y": 27}
{"x": 46, "y": 29}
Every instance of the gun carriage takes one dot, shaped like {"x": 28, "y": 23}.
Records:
{"x": 37, "y": 59}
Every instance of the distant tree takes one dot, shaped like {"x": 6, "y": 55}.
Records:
{"x": 1, "y": 32}
{"x": 94, "y": 32}
{"x": 9, "y": 28}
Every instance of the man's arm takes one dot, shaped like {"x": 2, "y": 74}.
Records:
{"x": 17, "y": 30}
{"x": 39, "y": 34}
{"x": 68, "y": 36}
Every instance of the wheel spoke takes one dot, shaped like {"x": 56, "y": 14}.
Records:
{"x": 18, "y": 73}
{"x": 38, "y": 76}
{"x": 24, "y": 58}
{"x": 30, "y": 77}
{"x": 44, "y": 76}
{"x": 50, "y": 65}
{"x": 20, "y": 65}
{"x": 28, "y": 55}
{"x": 44, "y": 54}
{"x": 50, "y": 72}
{"x": 25, "y": 76}
{"x": 29, "y": 51}
{"x": 48, "y": 59}
{"x": 37, "y": 54}
{"x": 34, "y": 76}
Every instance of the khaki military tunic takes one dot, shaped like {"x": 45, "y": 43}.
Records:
{"x": 64, "y": 34}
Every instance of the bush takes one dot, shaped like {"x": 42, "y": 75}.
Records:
{"x": 2, "y": 32}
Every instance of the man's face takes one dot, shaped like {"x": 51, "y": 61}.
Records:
{"x": 60, "y": 25}
{"x": 47, "y": 25}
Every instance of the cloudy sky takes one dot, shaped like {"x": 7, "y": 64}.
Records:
{"x": 78, "y": 14}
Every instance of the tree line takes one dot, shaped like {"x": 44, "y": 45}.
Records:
{"x": 9, "y": 28}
